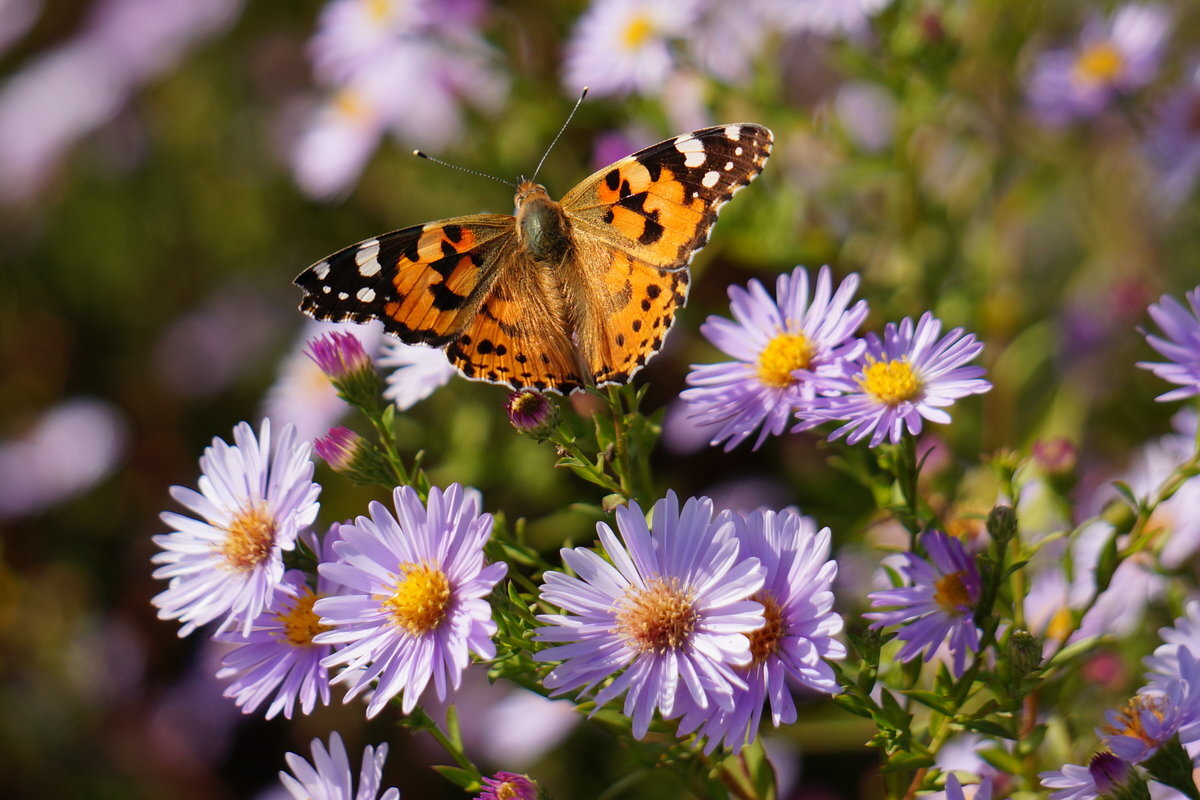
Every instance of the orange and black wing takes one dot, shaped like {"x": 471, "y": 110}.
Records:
{"x": 424, "y": 283}
{"x": 637, "y": 224}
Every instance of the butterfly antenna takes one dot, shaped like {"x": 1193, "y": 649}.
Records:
{"x": 582, "y": 95}
{"x": 427, "y": 157}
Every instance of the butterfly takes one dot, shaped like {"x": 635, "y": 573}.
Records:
{"x": 562, "y": 295}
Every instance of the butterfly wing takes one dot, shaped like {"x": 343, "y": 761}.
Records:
{"x": 461, "y": 284}
{"x": 636, "y": 226}
{"x": 424, "y": 283}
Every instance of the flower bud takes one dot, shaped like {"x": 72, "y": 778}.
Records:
{"x": 353, "y": 456}
{"x": 1116, "y": 779}
{"x": 1002, "y": 525}
{"x": 509, "y": 786}
{"x": 531, "y": 412}
{"x": 1024, "y": 653}
{"x": 342, "y": 358}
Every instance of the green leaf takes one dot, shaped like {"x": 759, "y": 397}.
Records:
{"x": 853, "y": 705}
{"x": 1002, "y": 760}
{"x": 452, "y": 729}
{"x": 460, "y": 777}
{"x": 935, "y": 701}
{"x": 760, "y": 770}
{"x": 988, "y": 728}
{"x": 906, "y": 760}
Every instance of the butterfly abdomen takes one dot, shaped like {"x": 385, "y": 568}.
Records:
{"x": 542, "y": 227}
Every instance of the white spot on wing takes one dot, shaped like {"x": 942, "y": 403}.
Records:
{"x": 321, "y": 270}
{"x": 367, "y": 258}
{"x": 737, "y": 151}
{"x": 325, "y": 289}
{"x": 692, "y": 149}
{"x": 343, "y": 296}
{"x": 733, "y": 132}
{"x": 728, "y": 165}
{"x": 366, "y": 294}
{"x": 710, "y": 179}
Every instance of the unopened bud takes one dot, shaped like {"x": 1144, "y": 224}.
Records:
{"x": 1116, "y": 779}
{"x": 351, "y": 455}
{"x": 1002, "y": 524}
{"x": 1024, "y": 652}
{"x": 530, "y": 411}
{"x": 344, "y": 361}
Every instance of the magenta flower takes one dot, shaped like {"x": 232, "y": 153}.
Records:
{"x": 328, "y": 777}
{"x": 508, "y": 786}
{"x": 938, "y": 604}
{"x": 339, "y": 354}
{"x": 528, "y": 410}
{"x": 415, "y": 605}
{"x": 339, "y": 447}
{"x": 908, "y": 376}
{"x": 667, "y": 617}
{"x": 1181, "y": 345}
{"x": 785, "y": 348}
{"x": 255, "y": 498}
{"x": 279, "y": 656}
{"x": 797, "y": 638}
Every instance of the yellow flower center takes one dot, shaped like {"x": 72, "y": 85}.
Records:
{"x": 950, "y": 592}
{"x": 350, "y": 105}
{"x": 782, "y": 356}
{"x": 637, "y": 32}
{"x": 892, "y": 382}
{"x": 378, "y": 10}
{"x": 300, "y": 623}
{"x": 765, "y": 641}
{"x": 507, "y": 791}
{"x": 1099, "y": 63}
{"x": 1061, "y": 624}
{"x": 251, "y": 535}
{"x": 658, "y": 618}
{"x": 1128, "y": 721}
{"x": 419, "y": 600}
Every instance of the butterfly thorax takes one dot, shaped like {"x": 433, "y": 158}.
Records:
{"x": 542, "y": 227}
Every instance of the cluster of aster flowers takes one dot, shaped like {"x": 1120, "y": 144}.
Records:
{"x": 697, "y": 615}
{"x": 797, "y": 358}
{"x": 404, "y": 67}
{"x": 633, "y": 46}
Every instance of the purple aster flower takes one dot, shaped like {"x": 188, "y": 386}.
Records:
{"x": 797, "y": 638}
{"x": 1162, "y": 711}
{"x": 255, "y": 498}
{"x": 415, "y": 372}
{"x": 667, "y": 616}
{"x": 1173, "y": 144}
{"x": 786, "y": 349}
{"x": 938, "y": 603}
{"x": 279, "y": 656}
{"x": 328, "y": 777}
{"x": 1163, "y": 663}
{"x": 1181, "y": 327}
{"x": 954, "y": 789}
{"x": 907, "y": 376}
{"x": 623, "y": 46}
{"x": 415, "y": 596}
{"x": 508, "y": 786}
{"x": 1103, "y": 774}
{"x": 1111, "y": 58}
{"x": 69, "y": 448}
{"x": 828, "y": 17}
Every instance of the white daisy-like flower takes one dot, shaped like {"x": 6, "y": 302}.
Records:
{"x": 624, "y": 46}
{"x": 255, "y": 498}
{"x": 413, "y": 372}
{"x": 328, "y": 777}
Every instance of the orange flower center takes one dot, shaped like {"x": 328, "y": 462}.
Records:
{"x": 765, "y": 641}
{"x": 251, "y": 535}
{"x": 950, "y": 592}
{"x": 418, "y": 603}
{"x": 658, "y": 618}
{"x": 637, "y": 32}
{"x": 1128, "y": 720}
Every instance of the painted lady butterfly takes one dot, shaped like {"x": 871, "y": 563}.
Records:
{"x": 563, "y": 295}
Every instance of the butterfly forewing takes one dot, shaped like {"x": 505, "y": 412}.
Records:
{"x": 424, "y": 283}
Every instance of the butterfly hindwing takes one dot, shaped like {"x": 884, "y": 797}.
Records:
{"x": 424, "y": 282}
